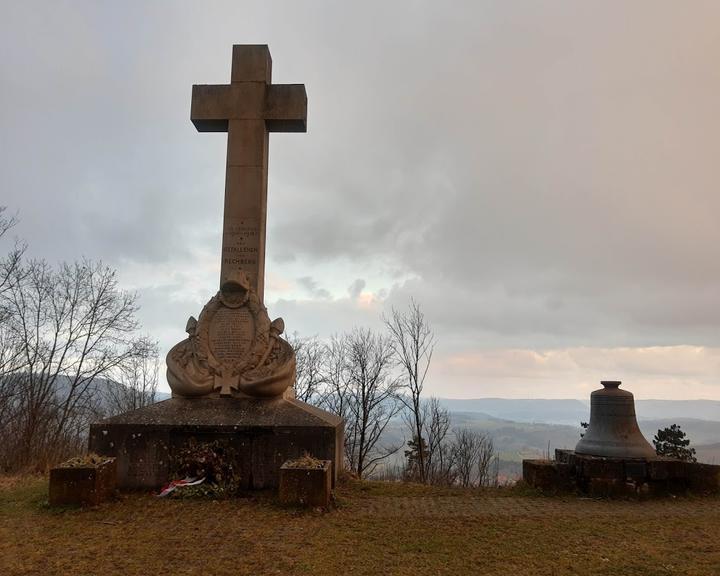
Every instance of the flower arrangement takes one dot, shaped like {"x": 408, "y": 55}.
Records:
{"x": 214, "y": 461}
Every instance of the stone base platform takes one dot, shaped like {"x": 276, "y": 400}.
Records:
{"x": 263, "y": 432}
{"x": 620, "y": 477}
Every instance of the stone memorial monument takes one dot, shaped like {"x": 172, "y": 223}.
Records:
{"x": 232, "y": 377}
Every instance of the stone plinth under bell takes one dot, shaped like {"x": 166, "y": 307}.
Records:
{"x": 600, "y": 476}
{"x": 264, "y": 433}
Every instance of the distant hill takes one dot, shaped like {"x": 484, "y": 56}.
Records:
{"x": 696, "y": 409}
{"x": 569, "y": 412}
{"x": 572, "y": 412}
{"x": 102, "y": 387}
{"x": 709, "y": 453}
{"x": 698, "y": 431}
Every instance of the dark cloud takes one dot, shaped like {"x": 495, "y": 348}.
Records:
{"x": 312, "y": 288}
{"x": 356, "y": 288}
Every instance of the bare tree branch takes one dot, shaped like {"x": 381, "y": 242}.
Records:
{"x": 412, "y": 342}
{"x": 361, "y": 389}
{"x": 309, "y": 359}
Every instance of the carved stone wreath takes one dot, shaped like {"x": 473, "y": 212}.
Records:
{"x": 223, "y": 343}
{"x": 233, "y": 347}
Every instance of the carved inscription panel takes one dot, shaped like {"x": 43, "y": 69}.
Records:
{"x": 232, "y": 331}
{"x": 241, "y": 247}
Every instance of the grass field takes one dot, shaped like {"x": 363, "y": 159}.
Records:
{"x": 377, "y": 528}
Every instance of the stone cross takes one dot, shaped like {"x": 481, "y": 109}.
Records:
{"x": 247, "y": 109}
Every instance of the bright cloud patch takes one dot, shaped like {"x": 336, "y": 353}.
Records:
{"x": 664, "y": 372}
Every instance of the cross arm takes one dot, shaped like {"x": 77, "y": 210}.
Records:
{"x": 211, "y": 106}
{"x": 283, "y": 106}
{"x": 286, "y": 108}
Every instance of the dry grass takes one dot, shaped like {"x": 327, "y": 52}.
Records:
{"x": 378, "y": 528}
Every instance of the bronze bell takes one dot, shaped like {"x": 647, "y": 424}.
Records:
{"x": 613, "y": 431}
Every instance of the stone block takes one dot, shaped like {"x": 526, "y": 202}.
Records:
{"x": 658, "y": 470}
{"x": 564, "y": 456}
{"x": 601, "y": 468}
{"x": 611, "y": 488}
{"x": 666, "y": 469}
{"x": 244, "y": 178}
{"x": 703, "y": 477}
{"x": 83, "y": 485}
{"x": 251, "y": 63}
{"x": 678, "y": 476}
{"x": 247, "y": 142}
{"x": 636, "y": 470}
{"x": 547, "y": 475}
{"x": 306, "y": 485}
{"x": 263, "y": 433}
{"x": 286, "y": 108}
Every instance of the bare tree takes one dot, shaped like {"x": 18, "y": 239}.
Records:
{"x": 135, "y": 381}
{"x": 371, "y": 399}
{"x": 465, "y": 452}
{"x": 438, "y": 457}
{"x": 439, "y": 462}
{"x": 487, "y": 464}
{"x": 10, "y": 263}
{"x": 309, "y": 358}
{"x": 6, "y": 222}
{"x": 412, "y": 342}
{"x": 10, "y": 349}
{"x": 473, "y": 455}
{"x": 68, "y": 329}
{"x": 335, "y": 395}
{"x": 10, "y": 364}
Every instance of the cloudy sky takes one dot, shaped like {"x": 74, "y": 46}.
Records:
{"x": 543, "y": 177}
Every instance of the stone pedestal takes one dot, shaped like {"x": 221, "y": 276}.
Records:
{"x": 264, "y": 433}
{"x": 306, "y": 485}
{"x": 82, "y": 485}
{"x": 606, "y": 476}
{"x": 548, "y": 475}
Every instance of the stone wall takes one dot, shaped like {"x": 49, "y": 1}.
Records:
{"x": 600, "y": 476}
